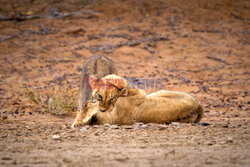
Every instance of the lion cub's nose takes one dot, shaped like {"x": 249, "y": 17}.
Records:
{"x": 102, "y": 110}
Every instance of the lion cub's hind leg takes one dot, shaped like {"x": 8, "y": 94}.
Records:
{"x": 188, "y": 119}
{"x": 194, "y": 117}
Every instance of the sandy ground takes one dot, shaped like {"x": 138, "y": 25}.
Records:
{"x": 199, "y": 47}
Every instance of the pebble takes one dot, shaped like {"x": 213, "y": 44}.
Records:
{"x": 138, "y": 124}
{"x": 144, "y": 146}
{"x": 83, "y": 129}
{"x": 162, "y": 127}
{"x": 96, "y": 126}
{"x": 71, "y": 130}
{"x": 66, "y": 127}
{"x": 56, "y": 137}
{"x": 204, "y": 124}
{"x": 18, "y": 134}
{"x": 114, "y": 127}
{"x": 175, "y": 123}
{"x": 66, "y": 160}
{"x": 230, "y": 140}
{"x": 144, "y": 126}
{"x": 209, "y": 162}
{"x": 3, "y": 117}
{"x": 4, "y": 135}
{"x": 224, "y": 125}
{"x": 121, "y": 158}
{"x": 29, "y": 128}
{"x": 87, "y": 126}
{"x": 128, "y": 127}
{"x": 106, "y": 125}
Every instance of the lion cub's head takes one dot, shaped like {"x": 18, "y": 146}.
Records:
{"x": 93, "y": 116}
{"x": 89, "y": 113}
{"x": 107, "y": 90}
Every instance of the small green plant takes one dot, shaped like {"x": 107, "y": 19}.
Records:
{"x": 61, "y": 101}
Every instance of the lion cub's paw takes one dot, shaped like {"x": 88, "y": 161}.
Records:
{"x": 76, "y": 123}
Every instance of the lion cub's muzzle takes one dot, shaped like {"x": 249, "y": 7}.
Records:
{"x": 102, "y": 110}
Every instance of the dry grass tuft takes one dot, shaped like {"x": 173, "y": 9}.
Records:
{"x": 61, "y": 101}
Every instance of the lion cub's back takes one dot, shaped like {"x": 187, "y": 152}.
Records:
{"x": 171, "y": 94}
{"x": 167, "y": 106}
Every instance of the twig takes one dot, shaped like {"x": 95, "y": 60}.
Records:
{"x": 236, "y": 17}
{"x": 53, "y": 15}
{"x": 123, "y": 35}
{"x": 208, "y": 31}
{"x": 7, "y": 37}
{"x": 42, "y": 31}
{"x": 217, "y": 59}
{"x": 146, "y": 47}
{"x": 107, "y": 48}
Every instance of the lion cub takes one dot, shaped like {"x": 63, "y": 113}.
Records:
{"x": 98, "y": 66}
{"x": 117, "y": 103}
{"x": 160, "y": 107}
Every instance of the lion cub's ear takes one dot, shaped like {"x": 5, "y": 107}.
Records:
{"x": 124, "y": 92}
{"x": 93, "y": 82}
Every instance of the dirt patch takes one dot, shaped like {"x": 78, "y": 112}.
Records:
{"x": 198, "y": 47}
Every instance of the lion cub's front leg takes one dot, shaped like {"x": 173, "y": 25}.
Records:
{"x": 78, "y": 119}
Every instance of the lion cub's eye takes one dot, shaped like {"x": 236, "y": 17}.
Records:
{"x": 100, "y": 97}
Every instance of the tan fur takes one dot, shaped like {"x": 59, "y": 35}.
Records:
{"x": 84, "y": 117}
{"x": 99, "y": 66}
{"x": 160, "y": 107}
{"x": 110, "y": 88}
{"x": 133, "y": 105}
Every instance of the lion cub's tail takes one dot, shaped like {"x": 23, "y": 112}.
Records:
{"x": 200, "y": 112}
